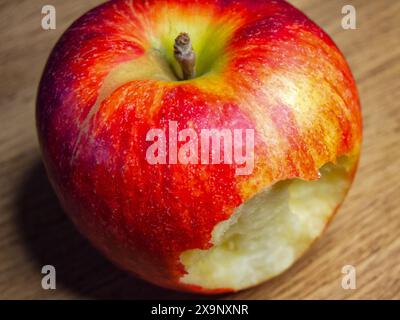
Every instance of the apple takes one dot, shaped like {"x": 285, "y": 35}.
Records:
{"x": 128, "y": 67}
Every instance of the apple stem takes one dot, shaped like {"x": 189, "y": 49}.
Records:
{"x": 184, "y": 54}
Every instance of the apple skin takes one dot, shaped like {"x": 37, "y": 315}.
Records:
{"x": 277, "y": 72}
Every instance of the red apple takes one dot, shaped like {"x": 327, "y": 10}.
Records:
{"x": 260, "y": 65}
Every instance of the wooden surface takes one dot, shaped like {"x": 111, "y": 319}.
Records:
{"x": 366, "y": 233}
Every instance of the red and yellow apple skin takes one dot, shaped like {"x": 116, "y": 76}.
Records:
{"x": 261, "y": 64}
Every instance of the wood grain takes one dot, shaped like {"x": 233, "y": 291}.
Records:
{"x": 366, "y": 233}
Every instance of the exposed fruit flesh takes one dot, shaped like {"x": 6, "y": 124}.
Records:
{"x": 269, "y": 232}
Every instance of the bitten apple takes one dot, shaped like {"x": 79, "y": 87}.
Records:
{"x": 261, "y": 65}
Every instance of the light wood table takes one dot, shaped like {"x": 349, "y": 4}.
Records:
{"x": 366, "y": 233}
